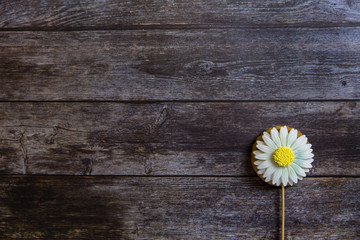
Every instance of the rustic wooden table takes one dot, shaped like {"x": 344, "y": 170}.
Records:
{"x": 135, "y": 119}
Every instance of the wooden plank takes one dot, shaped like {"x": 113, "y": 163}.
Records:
{"x": 169, "y": 138}
{"x": 112, "y": 13}
{"x": 176, "y": 208}
{"x": 257, "y": 64}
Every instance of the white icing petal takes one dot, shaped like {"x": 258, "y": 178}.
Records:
{"x": 264, "y": 148}
{"x": 292, "y": 174}
{"x": 305, "y": 155}
{"x": 298, "y": 142}
{"x": 264, "y": 164}
{"x": 278, "y": 182}
{"x": 263, "y": 156}
{"x": 303, "y": 164}
{"x": 291, "y": 182}
{"x": 310, "y": 160}
{"x": 261, "y": 171}
{"x": 284, "y": 177}
{"x": 291, "y": 137}
{"x": 283, "y": 135}
{"x": 267, "y": 139}
{"x": 269, "y": 171}
{"x": 258, "y": 162}
{"x": 299, "y": 171}
{"x": 302, "y": 148}
{"x": 256, "y": 152}
{"x": 260, "y": 142}
{"x": 268, "y": 179}
{"x": 275, "y": 137}
{"x": 276, "y": 177}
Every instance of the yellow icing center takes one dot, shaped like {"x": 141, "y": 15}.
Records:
{"x": 283, "y": 156}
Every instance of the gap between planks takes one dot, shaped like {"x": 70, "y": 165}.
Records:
{"x": 179, "y": 27}
{"x": 163, "y": 176}
{"x": 180, "y": 101}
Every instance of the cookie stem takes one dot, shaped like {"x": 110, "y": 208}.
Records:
{"x": 283, "y": 213}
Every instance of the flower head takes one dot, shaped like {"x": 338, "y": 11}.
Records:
{"x": 282, "y": 157}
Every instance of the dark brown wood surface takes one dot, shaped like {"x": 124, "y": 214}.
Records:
{"x": 116, "y": 14}
{"x": 169, "y": 138}
{"x": 175, "y": 208}
{"x": 160, "y": 102}
{"x": 208, "y": 64}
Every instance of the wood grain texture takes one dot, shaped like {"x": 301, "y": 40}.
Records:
{"x": 176, "y": 208}
{"x": 112, "y": 13}
{"x": 162, "y": 101}
{"x": 169, "y": 138}
{"x": 216, "y": 64}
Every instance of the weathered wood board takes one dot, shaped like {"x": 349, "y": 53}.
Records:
{"x": 202, "y": 64}
{"x": 168, "y": 138}
{"x": 175, "y": 208}
{"x": 161, "y": 102}
{"x": 188, "y": 13}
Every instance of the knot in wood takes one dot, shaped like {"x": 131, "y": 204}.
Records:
{"x": 201, "y": 67}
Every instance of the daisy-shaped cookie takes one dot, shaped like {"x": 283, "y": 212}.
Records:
{"x": 282, "y": 156}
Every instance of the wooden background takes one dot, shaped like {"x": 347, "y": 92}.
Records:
{"x": 135, "y": 119}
